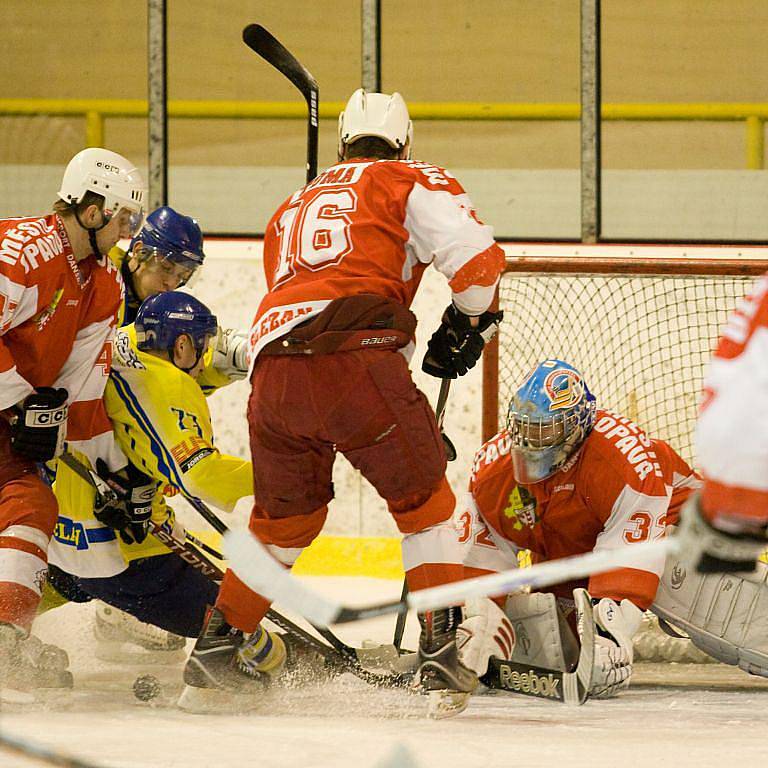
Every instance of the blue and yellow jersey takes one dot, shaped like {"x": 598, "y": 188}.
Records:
{"x": 163, "y": 425}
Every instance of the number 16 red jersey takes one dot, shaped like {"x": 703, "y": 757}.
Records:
{"x": 372, "y": 226}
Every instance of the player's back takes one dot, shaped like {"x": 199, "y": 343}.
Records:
{"x": 368, "y": 227}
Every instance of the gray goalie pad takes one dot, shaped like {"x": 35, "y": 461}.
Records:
{"x": 543, "y": 637}
{"x": 725, "y": 615}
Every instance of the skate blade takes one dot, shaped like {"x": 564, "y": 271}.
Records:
{"x": 444, "y": 704}
{"x": 216, "y": 701}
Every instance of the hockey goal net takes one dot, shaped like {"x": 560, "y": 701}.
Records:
{"x": 641, "y": 330}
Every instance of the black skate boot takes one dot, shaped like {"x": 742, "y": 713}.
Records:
{"x": 227, "y": 672}
{"x": 441, "y": 675}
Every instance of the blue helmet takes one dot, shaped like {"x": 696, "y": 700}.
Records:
{"x": 164, "y": 317}
{"x": 169, "y": 235}
{"x": 549, "y": 417}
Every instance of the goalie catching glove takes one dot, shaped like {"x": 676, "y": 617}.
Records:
{"x": 457, "y": 344}
{"x": 128, "y": 509}
{"x": 39, "y": 424}
{"x": 230, "y": 356}
{"x": 616, "y": 625}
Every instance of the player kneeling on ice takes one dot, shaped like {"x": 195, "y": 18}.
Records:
{"x": 162, "y": 422}
{"x": 565, "y": 478}
{"x": 343, "y": 258}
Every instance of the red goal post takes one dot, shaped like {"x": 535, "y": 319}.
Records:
{"x": 641, "y": 329}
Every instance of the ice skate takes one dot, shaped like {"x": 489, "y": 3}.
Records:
{"x": 122, "y": 638}
{"x": 445, "y": 680}
{"x": 29, "y": 667}
{"x": 228, "y": 672}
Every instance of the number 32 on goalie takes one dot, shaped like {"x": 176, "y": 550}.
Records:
{"x": 642, "y": 526}
{"x": 314, "y": 234}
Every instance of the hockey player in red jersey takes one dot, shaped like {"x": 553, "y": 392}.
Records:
{"x": 565, "y": 478}
{"x": 59, "y": 297}
{"x": 724, "y": 528}
{"x": 343, "y": 258}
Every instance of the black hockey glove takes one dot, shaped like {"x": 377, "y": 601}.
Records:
{"x": 456, "y": 345}
{"x": 39, "y": 424}
{"x": 128, "y": 508}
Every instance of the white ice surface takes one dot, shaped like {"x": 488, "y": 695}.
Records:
{"x": 675, "y": 715}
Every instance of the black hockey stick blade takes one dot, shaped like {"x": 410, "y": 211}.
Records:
{"x": 263, "y": 42}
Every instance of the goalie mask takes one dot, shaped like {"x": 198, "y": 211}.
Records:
{"x": 375, "y": 114}
{"x": 549, "y": 417}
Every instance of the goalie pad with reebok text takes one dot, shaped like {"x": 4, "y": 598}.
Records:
{"x": 543, "y": 635}
{"x": 725, "y": 615}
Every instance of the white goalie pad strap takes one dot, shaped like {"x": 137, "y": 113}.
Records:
{"x": 543, "y": 637}
{"x": 485, "y": 632}
{"x": 725, "y": 615}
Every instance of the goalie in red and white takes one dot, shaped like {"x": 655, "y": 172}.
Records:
{"x": 565, "y": 479}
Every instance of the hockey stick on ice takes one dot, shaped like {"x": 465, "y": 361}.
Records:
{"x": 273, "y": 51}
{"x": 339, "y": 655}
{"x": 262, "y": 573}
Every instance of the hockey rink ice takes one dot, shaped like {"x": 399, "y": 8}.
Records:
{"x": 680, "y": 715}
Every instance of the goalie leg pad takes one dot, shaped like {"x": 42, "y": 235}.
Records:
{"x": 543, "y": 636}
{"x": 725, "y": 615}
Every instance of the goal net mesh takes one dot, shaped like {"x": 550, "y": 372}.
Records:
{"x": 641, "y": 341}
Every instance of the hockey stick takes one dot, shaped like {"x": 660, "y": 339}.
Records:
{"x": 273, "y": 51}
{"x": 33, "y": 751}
{"x": 340, "y": 656}
{"x": 262, "y": 573}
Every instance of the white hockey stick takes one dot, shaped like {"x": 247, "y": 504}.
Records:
{"x": 262, "y": 573}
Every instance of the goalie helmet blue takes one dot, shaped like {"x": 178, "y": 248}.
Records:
{"x": 169, "y": 236}
{"x": 549, "y": 417}
{"x": 164, "y": 317}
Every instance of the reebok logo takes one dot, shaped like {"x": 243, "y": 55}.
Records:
{"x": 529, "y": 682}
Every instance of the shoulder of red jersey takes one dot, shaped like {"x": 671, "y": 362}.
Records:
{"x": 28, "y": 245}
{"x": 617, "y": 447}
{"x": 751, "y": 312}
{"x": 491, "y": 460}
{"x": 432, "y": 177}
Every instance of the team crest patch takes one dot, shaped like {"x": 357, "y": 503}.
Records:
{"x": 521, "y": 507}
{"x": 564, "y": 389}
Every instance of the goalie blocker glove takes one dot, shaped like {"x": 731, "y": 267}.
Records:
{"x": 456, "y": 345}
{"x": 128, "y": 509}
{"x": 39, "y": 424}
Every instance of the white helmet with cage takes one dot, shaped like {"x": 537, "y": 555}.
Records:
{"x": 375, "y": 114}
{"x": 107, "y": 174}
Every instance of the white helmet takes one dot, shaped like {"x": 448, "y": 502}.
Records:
{"x": 375, "y": 114}
{"x": 107, "y": 174}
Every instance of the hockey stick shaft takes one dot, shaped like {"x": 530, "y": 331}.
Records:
{"x": 262, "y": 573}
{"x": 266, "y": 45}
{"x": 42, "y": 754}
{"x": 340, "y": 655}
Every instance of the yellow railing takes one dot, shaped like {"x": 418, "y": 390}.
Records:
{"x": 96, "y": 111}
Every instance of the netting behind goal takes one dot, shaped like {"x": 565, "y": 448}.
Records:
{"x": 640, "y": 330}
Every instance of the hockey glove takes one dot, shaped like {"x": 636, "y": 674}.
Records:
{"x": 230, "y": 355}
{"x": 128, "y": 509}
{"x": 616, "y": 625}
{"x": 39, "y": 425}
{"x": 456, "y": 345}
{"x": 711, "y": 550}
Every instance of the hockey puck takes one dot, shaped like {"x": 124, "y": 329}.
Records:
{"x": 146, "y": 687}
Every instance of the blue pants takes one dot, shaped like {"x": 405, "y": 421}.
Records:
{"x": 162, "y": 590}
